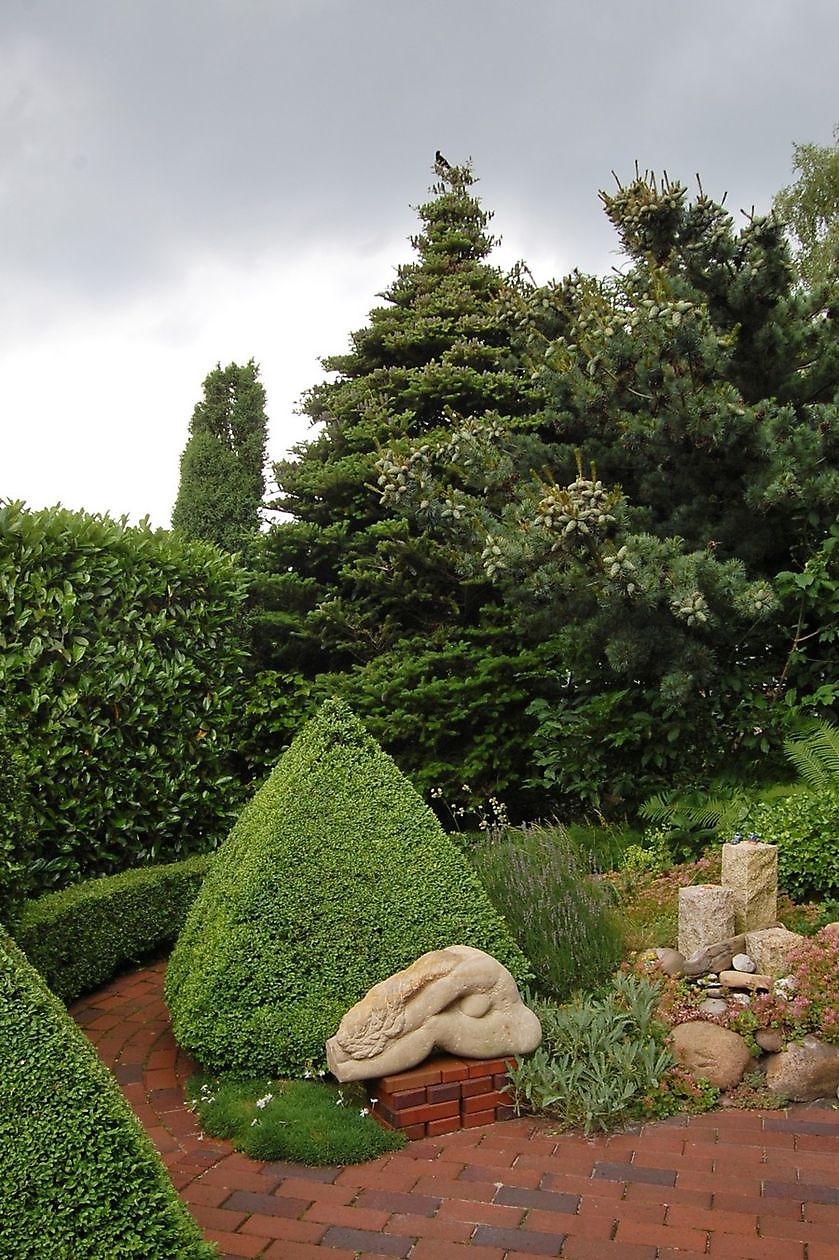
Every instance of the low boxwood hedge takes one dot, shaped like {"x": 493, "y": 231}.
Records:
{"x": 79, "y": 1179}
{"x": 81, "y": 937}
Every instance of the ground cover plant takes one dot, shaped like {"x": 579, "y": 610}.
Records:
{"x": 301, "y": 1121}
{"x": 336, "y": 876}
{"x": 78, "y": 1176}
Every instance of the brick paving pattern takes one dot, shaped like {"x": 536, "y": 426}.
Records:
{"x": 734, "y": 1186}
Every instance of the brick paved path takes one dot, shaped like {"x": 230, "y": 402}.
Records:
{"x": 735, "y": 1186}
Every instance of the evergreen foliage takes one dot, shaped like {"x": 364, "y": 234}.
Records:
{"x": 365, "y": 603}
{"x": 81, "y": 937}
{"x": 664, "y": 553}
{"x": 335, "y": 876}
{"x": 223, "y": 464}
{"x": 78, "y": 1176}
{"x": 119, "y": 654}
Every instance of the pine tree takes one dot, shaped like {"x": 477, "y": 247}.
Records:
{"x": 222, "y": 483}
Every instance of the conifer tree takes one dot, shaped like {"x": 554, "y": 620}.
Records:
{"x": 222, "y": 483}
{"x": 371, "y": 604}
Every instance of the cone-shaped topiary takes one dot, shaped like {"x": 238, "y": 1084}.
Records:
{"x": 335, "y": 876}
{"x": 78, "y": 1176}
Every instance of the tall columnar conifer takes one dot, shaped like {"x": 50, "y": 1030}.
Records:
{"x": 222, "y": 482}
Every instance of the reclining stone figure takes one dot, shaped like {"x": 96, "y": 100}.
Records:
{"x": 457, "y": 999}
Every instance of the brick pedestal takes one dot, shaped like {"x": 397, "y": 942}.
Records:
{"x": 441, "y": 1095}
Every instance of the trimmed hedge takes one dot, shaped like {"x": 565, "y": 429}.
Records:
{"x": 81, "y": 937}
{"x": 336, "y": 876}
{"x": 79, "y": 1179}
{"x": 120, "y": 648}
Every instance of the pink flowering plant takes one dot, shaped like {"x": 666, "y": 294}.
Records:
{"x": 808, "y": 1002}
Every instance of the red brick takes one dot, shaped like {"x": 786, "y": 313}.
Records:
{"x": 716, "y": 1218}
{"x": 216, "y": 1218}
{"x": 569, "y": 1223}
{"x": 476, "y": 1085}
{"x": 401, "y": 1099}
{"x": 443, "y": 1092}
{"x": 368, "y": 1242}
{"x": 428, "y": 1111}
{"x": 428, "y": 1227}
{"x": 488, "y": 1067}
{"x": 483, "y": 1102}
{"x": 432, "y": 1249}
{"x": 453, "y": 1069}
{"x": 590, "y": 1249}
{"x": 236, "y": 1244}
{"x": 632, "y": 1231}
{"x": 500, "y": 1079}
{"x": 474, "y": 1119}
{"x": 450, "y": 1125}
{"x": 286, "y": 1250}
{"x": 739, "y": 1247}
{"x": 413, "y": 1132}
{"x": 367, "y": 1218}
{"x": 416, "y": 1078}
{"x": 261, "y": 1226}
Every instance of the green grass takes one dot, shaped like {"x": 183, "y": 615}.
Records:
{"x": 303, "y": 1122}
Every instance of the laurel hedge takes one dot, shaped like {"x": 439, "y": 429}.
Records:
{"x": 119, "y": 657}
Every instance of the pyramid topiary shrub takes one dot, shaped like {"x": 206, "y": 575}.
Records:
{"x": 335, "y": 876}
{"x": 78, "y": 1177}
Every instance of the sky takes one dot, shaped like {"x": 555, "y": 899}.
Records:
{"x": 191, "y": 182}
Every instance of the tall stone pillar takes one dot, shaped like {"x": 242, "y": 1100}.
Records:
{"x": 750, "y": 869}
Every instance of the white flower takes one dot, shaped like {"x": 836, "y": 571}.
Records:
{"x": 365, "y": 1111}
{"x": 263, "y": 1102}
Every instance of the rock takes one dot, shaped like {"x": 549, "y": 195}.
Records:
{"x": 714, "y": 958}
{"x": 707, "y": 1051}
{"x": 770, "y": 948}
{"x": 751, "y": 872}
{"x": 743, "y": 998}
{"x": 706, "y": 914}
{"x": 713, "y": 1006}
{"x": 742, "y": 962}
{"x": 715, "y": 991}
{"x": 769, "y": 1040}
{"x": 805, "y": 1071}
{"x": 457, "y": 999}
{"x": 671, "y": 962}
{"x": 745, "y": 980}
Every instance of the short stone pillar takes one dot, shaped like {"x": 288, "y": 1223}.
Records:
{"x": 706, "y": 915}
{"x": 750, "y": 870}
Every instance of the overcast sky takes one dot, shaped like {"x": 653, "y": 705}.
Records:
{"x": 186, "y": 182}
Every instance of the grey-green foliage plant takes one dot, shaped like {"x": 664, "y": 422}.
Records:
{"x": 78, "y": 1176}
{"x": 120, "y": 649}
{"x": 598, "y": 1057}
{"x": 336, "y": 876}
{"x": 558, "y": 910}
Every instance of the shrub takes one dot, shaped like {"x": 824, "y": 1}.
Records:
{"x": 558, "y": 912}
{"x": 805, "y": 827}
{"x": 78, "y": 1176}
{"x": 303, "y": 1122}
{"x": 810, "y": 1004}
{"x": 603, "y": 1061}
{"x": 336, "y": 876}
{"x": 15, "y": 826}
{"x": 80, "y": 937}
{"x": 119, "y": 651}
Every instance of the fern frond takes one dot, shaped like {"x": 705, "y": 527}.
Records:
{"x": 815, "y": 756}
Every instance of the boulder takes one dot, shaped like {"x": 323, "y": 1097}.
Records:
{"x": 745, "y": 980}
{"x": 770, "y": 1040}
{"x": 714, "y": 1054}
{"x": 804, "y": 1071}
{"x": 770, "y": 948}
{"x": 714, "y": 958}
{"x": 671, "y": 962}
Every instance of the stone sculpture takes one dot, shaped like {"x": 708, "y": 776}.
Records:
{"x": 457, "y": 999}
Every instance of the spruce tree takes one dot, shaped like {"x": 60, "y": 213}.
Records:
{"x": 366, "y": 602}
{"x": 222, "y": 483}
